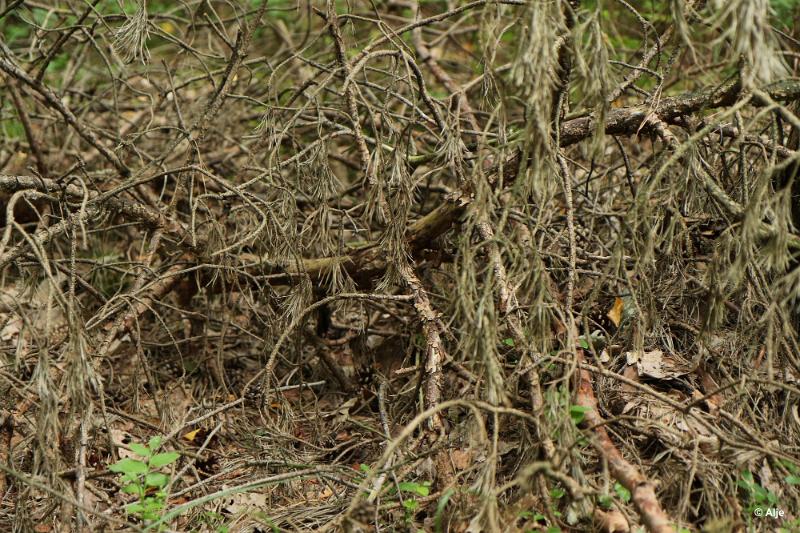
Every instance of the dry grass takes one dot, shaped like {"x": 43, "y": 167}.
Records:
{"x": 497, "y": 266}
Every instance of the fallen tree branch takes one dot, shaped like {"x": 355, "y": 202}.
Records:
{"x": 642, "y": 490}
{"x": 368, "y": 262}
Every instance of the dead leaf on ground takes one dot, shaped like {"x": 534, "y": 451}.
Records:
{"x": 462, "y": 459}
{"x": 655, "y": 364}
{"x": 246, "y": 502}
{"x": 630, "y": 373}
{"x": 343, "y": 412}
{"x": 615, "y": 313}
{"x": 713, "y": 402}
{"x": 611, "y": 521}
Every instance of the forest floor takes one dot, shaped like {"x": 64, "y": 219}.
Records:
{"x": 399, "y": 266}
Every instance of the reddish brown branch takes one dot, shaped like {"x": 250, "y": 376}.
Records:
{"x": 642, "y": 489}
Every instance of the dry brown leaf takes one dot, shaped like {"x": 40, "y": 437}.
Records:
{"x": 191, "y": 435}
{"x": 245, "y": 502}
{"x": 615, "y": 313}
{"x": 196, "y": 437}
{"x": 654, "y": 364}
{"x": 121, "y": 438}
{"x": 630, "y": 373}
{"x": 611, "y": 521}
{"x": 714, "y": 401}
{"x": 343, "y": 413}
{"x": 462, "y": 459}
{"x": 10, "y": 331}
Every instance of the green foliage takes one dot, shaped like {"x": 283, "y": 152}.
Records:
{"x": 12, "y": 129}
{"x": 578, "y": 413}
{"x": 756, "y": 495}
{"x": 144, "y": 479}
{"x": 422, "y": 489}
{"x": 623, "y": 493}
{"x": 440, "y": 506}
{"x": 412, "y": 488}
{"x": 794, "y": 472}
{"x": 785, "y": 9}
{"x": 607, "y": 502}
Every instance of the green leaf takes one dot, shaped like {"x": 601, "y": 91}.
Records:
{"x": 605, "y": 501}
{"x": 793, "y": 480}
{"x": 791, "y": 467}
{"x": 578, "y": 413}
{"x": 623, "y": 493}
{"x": 132, "y": 488}
{"x": 130, "y": 478}
{"x": 557, "y": 493}
{"x": 163, "y": 459}
{"x": 155, "y": 442}
{"x": 139, "y": 449}
{"x": 156, "y": 479}
{"x": 153, "y": 505}
{"x": 129, "y": 466}
{"x": 583, "y": 343}
{"x": 416, "y": 488}
{"x": 411, "y": 505}
{"x": 443, "y": 500}
{"x": 508, "y": 342}
{"x": 135, "y": 508}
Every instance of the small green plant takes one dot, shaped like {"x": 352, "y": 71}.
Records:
{"x": 757, "y": 496}
{"x": 540, "y": 521}
{"x": 411, "y": 504}
{"x": 623, "y": 493}
{"x": 578, "y": 413}
{"x": 144, "y": 478}
{"x": 607, "y": 502}
{"x": 794, "y": 472}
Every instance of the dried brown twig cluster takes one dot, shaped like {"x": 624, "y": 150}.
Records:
{"x": 494, "y": 265}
